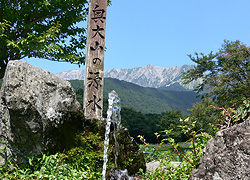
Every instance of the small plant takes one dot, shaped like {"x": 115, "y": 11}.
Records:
{"x": 234, "y": 115}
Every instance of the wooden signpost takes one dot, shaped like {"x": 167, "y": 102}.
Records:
{"x": 94, "y": 77}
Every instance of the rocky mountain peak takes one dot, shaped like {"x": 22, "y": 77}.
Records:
{"x": 152, "y": 76}
{"x": 147, "y": 76}
{"x": 71, "y": 75}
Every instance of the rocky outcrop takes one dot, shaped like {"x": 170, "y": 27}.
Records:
{"x": 38, "y": 112}
{"x": 227, "y": 156}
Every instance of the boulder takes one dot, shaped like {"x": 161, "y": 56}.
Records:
{"x": 38, "y": 113}
{"x": 153, "y": 165}
{"x": 227, "y": 156}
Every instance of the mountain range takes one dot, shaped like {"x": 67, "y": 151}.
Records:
{"x": 167, "y": 78}
{"x": 71, "y": 75}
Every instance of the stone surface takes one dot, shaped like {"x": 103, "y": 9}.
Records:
{"x": 130, "y": 156}
{"x": 227, "y": 156}
{"x": 118, "y": 174}
{"x": 38, "y": 112}
{"x": 153, "y": 165}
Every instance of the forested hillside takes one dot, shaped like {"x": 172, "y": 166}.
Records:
{"x": 146, "y": 100}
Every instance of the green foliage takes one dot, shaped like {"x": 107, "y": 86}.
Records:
{"x": 205, "y": 115}
{"x": 155, "y": 153}
{"x": 170, "y": 119}
{"x": 225, "y": 73}
{"x": 234, "y": 115}
{"x": 137, "y": 122}
{"x": 45, "y": 167}
{"x": 147, "y": 124}
{"x": 189, "y": 158}
{"x": 77, "y": 84}
{"x": 87, "y": 155}
{"x": 84, "y": 161}
{"x": 40, "y": 29}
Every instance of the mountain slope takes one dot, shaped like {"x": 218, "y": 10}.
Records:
{"x": 147, "y": 100}
{"x": 152, "y": 76}
{"x": 71, "y": 75}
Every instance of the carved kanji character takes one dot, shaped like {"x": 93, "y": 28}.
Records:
{"x": 98, "y": 29}
{"x": 97, "y": 45}
{"x": 98, "y": 14}
{"x": 97, "y": 59}
{"x": 94, "y": 80}
{"x": 95, "y": 103}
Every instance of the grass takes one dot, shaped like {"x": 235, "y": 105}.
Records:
{"x": 157, "y": 153}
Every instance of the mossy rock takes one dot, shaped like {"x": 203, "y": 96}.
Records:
{"x": 130, "y": 156}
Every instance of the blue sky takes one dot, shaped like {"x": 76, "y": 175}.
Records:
{"x": 163, "y": 32}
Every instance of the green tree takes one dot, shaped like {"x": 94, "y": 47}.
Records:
{"x": 137, "y": 123}
{"x": 225, "y": 74}
{"x": 205, "y": 115}
{"x": 47, "y": 29}
{"x": 171, "y": 120}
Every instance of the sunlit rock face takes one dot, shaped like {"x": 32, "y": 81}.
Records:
{"x": 38, "y": 112}
{"x": 154, "y": 76}
{"x": 71, "y": 75}
{"x": 227, "y": 156}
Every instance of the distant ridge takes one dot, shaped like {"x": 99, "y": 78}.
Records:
{"x": 167, "y": 78}
{"x": 71, "y": 75}
{"x": 154, "y": 76}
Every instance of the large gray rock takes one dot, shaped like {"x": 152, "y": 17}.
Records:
{"x": 38, "y": 112}
{"x": 227, "y": 156}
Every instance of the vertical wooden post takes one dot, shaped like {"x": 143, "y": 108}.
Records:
{"x": 94, "y": 78}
